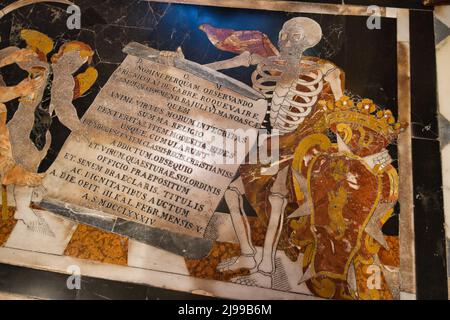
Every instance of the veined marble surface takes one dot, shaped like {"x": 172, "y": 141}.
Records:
{"x": 442, "y": 29}
{"x": 83, "y": 239}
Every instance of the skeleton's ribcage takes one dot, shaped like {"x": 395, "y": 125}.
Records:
{"x": 291, "y": 102}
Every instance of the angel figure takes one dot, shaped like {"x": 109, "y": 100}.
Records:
{"x": 65, "y": 88}
{"x": 12, "y": 173}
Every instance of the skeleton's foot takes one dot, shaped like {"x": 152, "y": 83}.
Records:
{"x": 237, "y": 263}
{"x": 257, "y": 279}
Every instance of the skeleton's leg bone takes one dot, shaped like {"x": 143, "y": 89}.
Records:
{"x": 239, "y": 219}
{"x": 233, "y": 197}
{"x": 278, "y": 203}
{"x": 280, "y": 228}
{"x": 263, "y": 276}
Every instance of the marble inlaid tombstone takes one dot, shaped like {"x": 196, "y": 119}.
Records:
{"x": 249, "y": 159}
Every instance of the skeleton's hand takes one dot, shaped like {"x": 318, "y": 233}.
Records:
{"x": 168, "y": 57}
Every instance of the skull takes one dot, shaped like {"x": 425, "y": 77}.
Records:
{"x": 297, "y": 35}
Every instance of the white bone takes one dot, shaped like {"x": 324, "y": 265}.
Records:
{"x": 282, "y": 116}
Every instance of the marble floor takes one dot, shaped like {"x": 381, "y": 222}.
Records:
{"x": 70, "y": 250}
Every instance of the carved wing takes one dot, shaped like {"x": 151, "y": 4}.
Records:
{"x": 238, "y": 42}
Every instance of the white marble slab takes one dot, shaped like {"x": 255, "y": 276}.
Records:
{"x": 142, "y": 276}
{"x": 143, "y": 256}
{"x": 25, "y": 239}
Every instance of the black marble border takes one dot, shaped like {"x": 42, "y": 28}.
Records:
{"x": 431, "y": 276}
{"x": 431, "y": 271}
{"x": 179, "y": 244}
{"x": 49, "y": 285}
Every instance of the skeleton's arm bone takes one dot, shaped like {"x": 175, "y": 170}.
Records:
{"x": 245, "y": 59}
{"x": 278, "y": 202}
{"x": 333, "y": 77}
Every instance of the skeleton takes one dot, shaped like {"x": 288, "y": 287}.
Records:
{"x": 289, "y": 106}
{"x": 293, "y": 85}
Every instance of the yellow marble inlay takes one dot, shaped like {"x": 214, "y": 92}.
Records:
{"x": 7, "y": 225}
{"x": 94, "y": 244}
{"x": 37, "y": 41}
